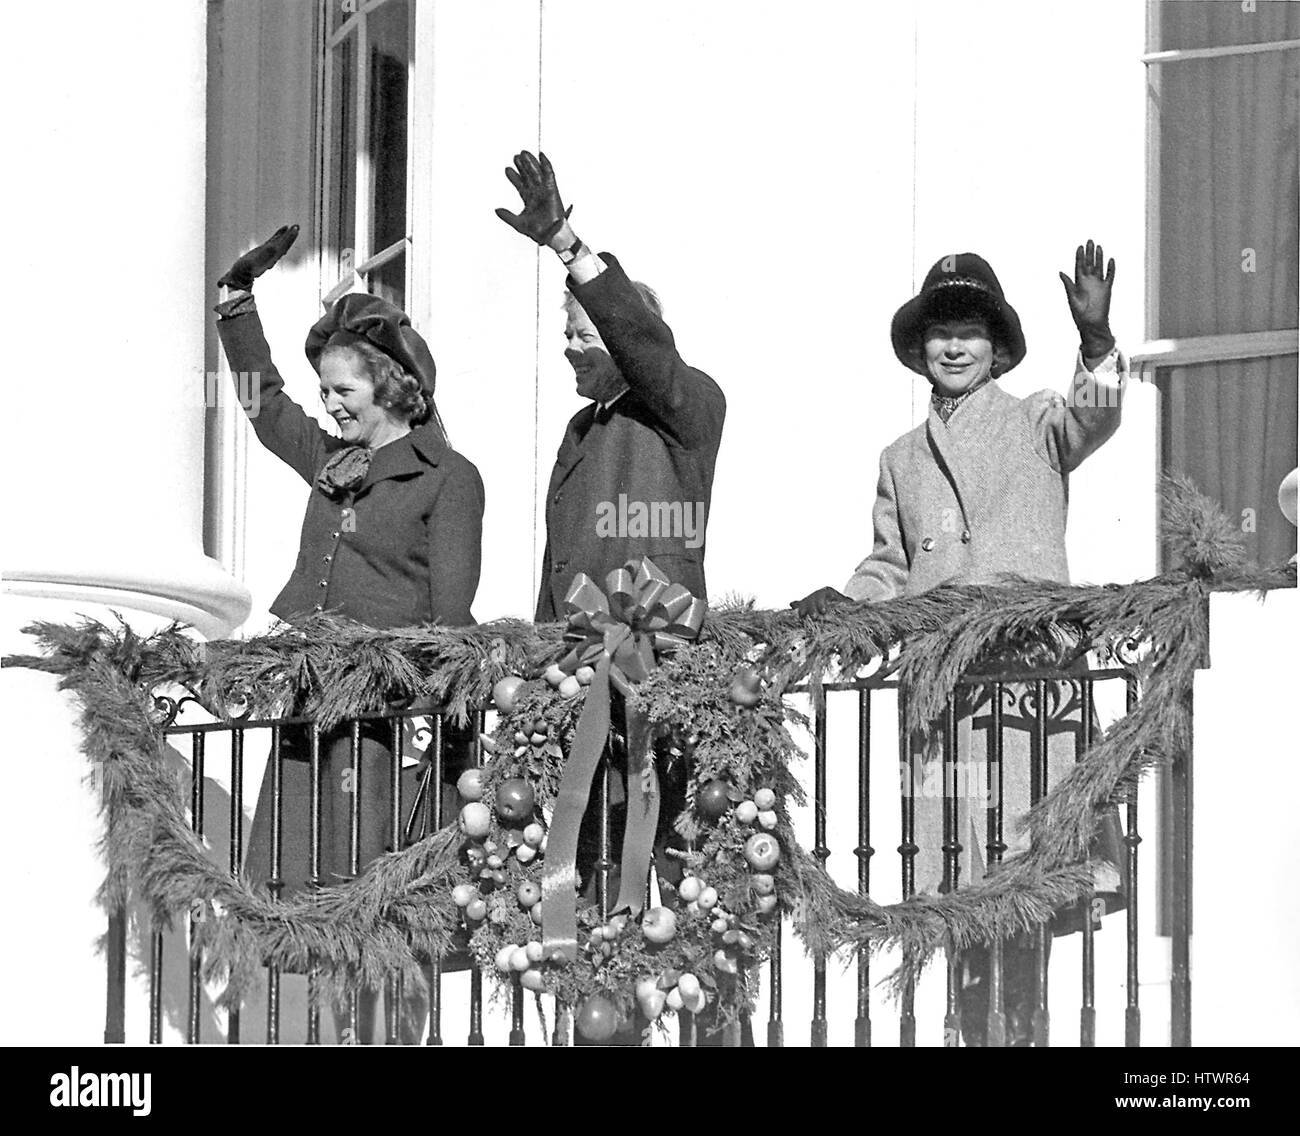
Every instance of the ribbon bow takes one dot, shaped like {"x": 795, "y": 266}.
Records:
{"x": 621, "y": 632}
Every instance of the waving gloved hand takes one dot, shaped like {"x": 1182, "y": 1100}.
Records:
{"x": 253, "y": 263}
{"x": 543, "y": 214}
{"x": 1089, "y": 298}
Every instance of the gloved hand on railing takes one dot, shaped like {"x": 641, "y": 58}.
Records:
{"x": 818, "y": 602}
{"x": 253, "y": 263}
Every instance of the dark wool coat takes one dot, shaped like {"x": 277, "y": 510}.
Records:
{"x": 404, "y": 548}
{"x": 651, "y": 453}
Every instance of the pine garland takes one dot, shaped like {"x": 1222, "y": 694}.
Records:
{"x": 400, "y": 911}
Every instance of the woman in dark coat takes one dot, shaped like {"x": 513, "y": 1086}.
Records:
{"x": 391, "y": 538}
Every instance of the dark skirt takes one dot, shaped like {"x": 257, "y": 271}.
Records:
{"x": 337, "y": 777}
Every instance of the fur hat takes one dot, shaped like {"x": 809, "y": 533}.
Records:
{"x": 959, "y": 286}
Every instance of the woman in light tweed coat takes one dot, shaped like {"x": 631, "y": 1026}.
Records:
{"x": 976, "y": 493}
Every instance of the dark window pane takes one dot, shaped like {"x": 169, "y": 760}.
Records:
{"x": 1213, "y": 23}
{"x": 340, "y": 208}
{"x": 388, "y": 31}
{"x": 1229, "y": 194}
{"x": 1231, "y": 428}
{"x": 389, "y": 281}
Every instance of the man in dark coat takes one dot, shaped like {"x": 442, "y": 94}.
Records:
{"x": 634, "y": 474}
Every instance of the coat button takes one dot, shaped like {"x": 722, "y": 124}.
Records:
{"x": 560, "y": 566}
{"x": 324, "y": 583}
{"x": 927, "y": 544}
{"x": 965, "y": 536}
{"x": 319, "y": 607}
{"x": 334, "y": 535}
{"x": 327, "y": 558}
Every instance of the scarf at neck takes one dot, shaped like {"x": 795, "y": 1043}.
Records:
{"x": 946, "y": 405}
{"x": 344, "y": 472}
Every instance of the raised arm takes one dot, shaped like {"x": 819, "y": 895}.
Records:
{"x": 688, "y": 403}
{"x": 281, "y": 425}
{"x": 1069, "y": 429}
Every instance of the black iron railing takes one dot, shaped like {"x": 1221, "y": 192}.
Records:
{"x": 410, "y": 819}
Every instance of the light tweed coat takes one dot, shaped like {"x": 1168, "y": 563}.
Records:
{"x": 985, "y": 493}
{"x": 981, "y": 496}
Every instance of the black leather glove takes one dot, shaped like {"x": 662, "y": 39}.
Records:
{"x": 1089, "y": 298}
{"x": 253, "y": 263}
{"x": 818, "y": 602}
{"x": 543, "y": 211}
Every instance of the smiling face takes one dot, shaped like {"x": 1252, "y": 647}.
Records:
{"x": 598, "y": 377}
{"x": 349, "y": 398}
{"x": 959, "y": 355}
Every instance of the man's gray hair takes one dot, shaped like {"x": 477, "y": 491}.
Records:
{"x": 648, "y": 295}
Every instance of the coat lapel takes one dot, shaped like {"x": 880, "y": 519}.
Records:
{"x": 406, "y": 457}
{"x": 572, "y": 450}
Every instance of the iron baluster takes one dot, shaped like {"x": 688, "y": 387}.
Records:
{"x": 862, "y": 1025}
{"x": 822, "y": 852}
{"x": 1132, "y": 838}
{"x": 193, "y": 1033}
{"x": 236, "y": 846}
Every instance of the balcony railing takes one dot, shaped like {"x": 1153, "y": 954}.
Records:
{"x": 417, "y": 814}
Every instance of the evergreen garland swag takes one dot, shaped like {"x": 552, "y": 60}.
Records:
{"x": 406, "y": 907}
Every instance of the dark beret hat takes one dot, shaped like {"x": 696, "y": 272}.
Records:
{"x": 362, "y": 316}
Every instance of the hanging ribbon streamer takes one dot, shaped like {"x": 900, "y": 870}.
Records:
{"x": 621, "y": 632}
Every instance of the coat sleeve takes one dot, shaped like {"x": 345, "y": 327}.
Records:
{"x": 883, "y": 574}
{"x": 455, "y": 534}
{"x": 689, "y": 404}
{"x": 281, "y": 425}
{"x": 1069, "y": 429}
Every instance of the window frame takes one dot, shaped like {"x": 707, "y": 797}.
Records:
{"x": 1154, "y": 352}
{"x": 364, "y": 260}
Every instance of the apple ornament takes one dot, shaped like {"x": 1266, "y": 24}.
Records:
{"x": 525, "y": 853}
{"x": 765, "y": 904}
{"x": 462, "y": 895}
{"x": 534, "y": 834}
{"x": 746, "y": 812}
{"x": 569, "y": 687}
{"x": 528, "y": 894}
{"x": 475, "y": 820}
{"x": 515, "y": 800}
{"x": 598, "y": 1018}
{"x": 506, "y": 693}
{"x": 476, "y": 911}
{"x": 712, "y": 799}
{"x": 767, "y": 819}
{"x": 659, "y": 924}
{"x": 762, "y": 883}
{"x": 503, "y": 958}
{"x": 584, "y": 675}
{"x": 689, "y": 889}
{"x": 765, "y": 799}
{"x": 708, "y": 899}
{"x": 554, "y": 675}
{"x": 533, "y": 980}
{"x": 470, "y": 785}
{"x": 650, "y": 998}
{"x": 762, "y": 852}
